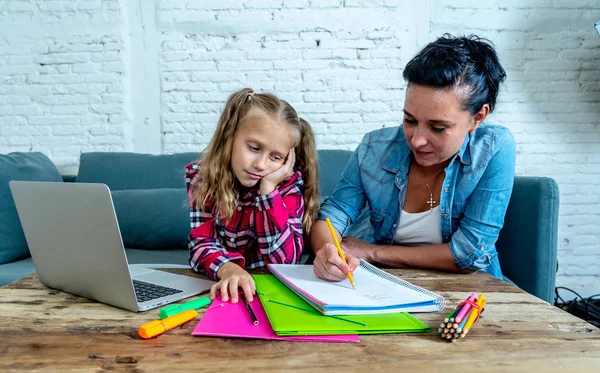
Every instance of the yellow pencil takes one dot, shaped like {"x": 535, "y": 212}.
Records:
{"x": 482, "y": 308}
{"x": 340, "y": 252}
{"x": 475, "y": 313}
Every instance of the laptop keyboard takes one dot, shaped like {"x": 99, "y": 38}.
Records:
{"x": 145, "y": 291}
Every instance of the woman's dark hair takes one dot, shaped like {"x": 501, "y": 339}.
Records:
{"x": 467, "y": 63}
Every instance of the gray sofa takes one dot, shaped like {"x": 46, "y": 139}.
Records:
{"x": 150, "y": 201}
{"x": 148, "y": 193}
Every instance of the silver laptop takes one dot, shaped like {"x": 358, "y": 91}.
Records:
{"x": 76, "y": 246}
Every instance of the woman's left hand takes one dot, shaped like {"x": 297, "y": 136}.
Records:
{"x": 270, "y": 181}
{"x": 359, "y": 248}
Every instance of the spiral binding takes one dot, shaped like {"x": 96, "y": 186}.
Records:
{"x": 439, "y": 300}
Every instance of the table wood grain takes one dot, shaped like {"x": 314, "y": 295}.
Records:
{"x": 42, "y": 329}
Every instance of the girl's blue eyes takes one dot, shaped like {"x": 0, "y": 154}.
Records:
{"x": 413, "y": 122}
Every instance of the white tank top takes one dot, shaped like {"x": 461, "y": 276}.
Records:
{"x": 419, "y": 229}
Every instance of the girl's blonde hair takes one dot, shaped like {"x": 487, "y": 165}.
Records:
{"x": 214, "y": 185}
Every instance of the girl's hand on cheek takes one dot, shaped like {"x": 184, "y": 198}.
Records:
{"x": 270, "y": 181}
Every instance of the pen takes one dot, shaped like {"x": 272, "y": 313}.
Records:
{"x": 252, "y": 315}
{"x": 157, "y": 327}
{"x": 340, "y": 252}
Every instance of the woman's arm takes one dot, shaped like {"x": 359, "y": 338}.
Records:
{"x": 429, "y": 257}
{"x": 342, "y": 208}
{"x": 320, "y": 236}
{"x": 328, "y": 264}
{"x": 473, "y": 242}
{"x": 346, "y": 201}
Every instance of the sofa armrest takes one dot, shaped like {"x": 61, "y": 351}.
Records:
{"x": 527, "y": 245}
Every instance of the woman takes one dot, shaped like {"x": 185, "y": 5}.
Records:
{"x": 437, "y": 186}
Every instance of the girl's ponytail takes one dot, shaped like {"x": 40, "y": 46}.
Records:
{"x": 216, "y": 189}
{"x": 307, "y": 163}
{"x": 230, "y": 117}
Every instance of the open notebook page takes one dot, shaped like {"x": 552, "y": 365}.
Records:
{"x": 371, "y": 289}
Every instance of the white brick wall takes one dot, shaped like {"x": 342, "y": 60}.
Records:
{"x": 152, "y": 76}
{"x": 62, "y": 87}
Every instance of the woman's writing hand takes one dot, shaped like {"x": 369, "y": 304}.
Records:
{"x": 232, "y": 277}
{"x": 328, "y": 264}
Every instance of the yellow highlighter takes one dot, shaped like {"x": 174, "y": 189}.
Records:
{"x": 340, "y": 252}
{"x": 157, "y": 327}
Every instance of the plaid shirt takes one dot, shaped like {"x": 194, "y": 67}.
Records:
{"x": 263, "y": 229}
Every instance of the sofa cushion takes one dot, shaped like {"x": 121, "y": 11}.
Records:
{"x": 158, "y": 258}
{"x": 125, "y": 171}
{"x": 19, "y": 166}
{"x": 14, "y": 271}
{"x": 153, "y": 218}
{"x": 332, "y": 164}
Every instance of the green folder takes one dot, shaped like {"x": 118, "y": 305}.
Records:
{"x": 291, "y": 315}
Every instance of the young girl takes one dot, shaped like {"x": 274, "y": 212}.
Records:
{"x": 253, "y": 193}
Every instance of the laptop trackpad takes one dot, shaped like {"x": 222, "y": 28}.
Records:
{"x": 157, "y": 277}
{"x": 137, "y": 270}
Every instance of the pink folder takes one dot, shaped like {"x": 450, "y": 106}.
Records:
{"x": 225, "y": 319}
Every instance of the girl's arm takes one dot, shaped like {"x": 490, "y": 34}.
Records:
{"x": 207, "y": 252}
{"x": 279, "y": 222}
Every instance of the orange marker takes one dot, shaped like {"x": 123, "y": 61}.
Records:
{"x": 157, "y": 327}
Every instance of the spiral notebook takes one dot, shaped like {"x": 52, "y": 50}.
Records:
{"x": 376, "y": 291}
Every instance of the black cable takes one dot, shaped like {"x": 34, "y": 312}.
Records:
{"x": 572, "y": 291}
{"x": 584, "y": 308}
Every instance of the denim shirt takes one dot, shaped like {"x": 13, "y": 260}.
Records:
{"x": 473, "y": 200}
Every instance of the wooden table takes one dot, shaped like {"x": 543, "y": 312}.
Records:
{"x": 46, "y": 330}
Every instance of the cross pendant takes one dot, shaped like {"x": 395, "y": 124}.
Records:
{"x": 431, "y": 202}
